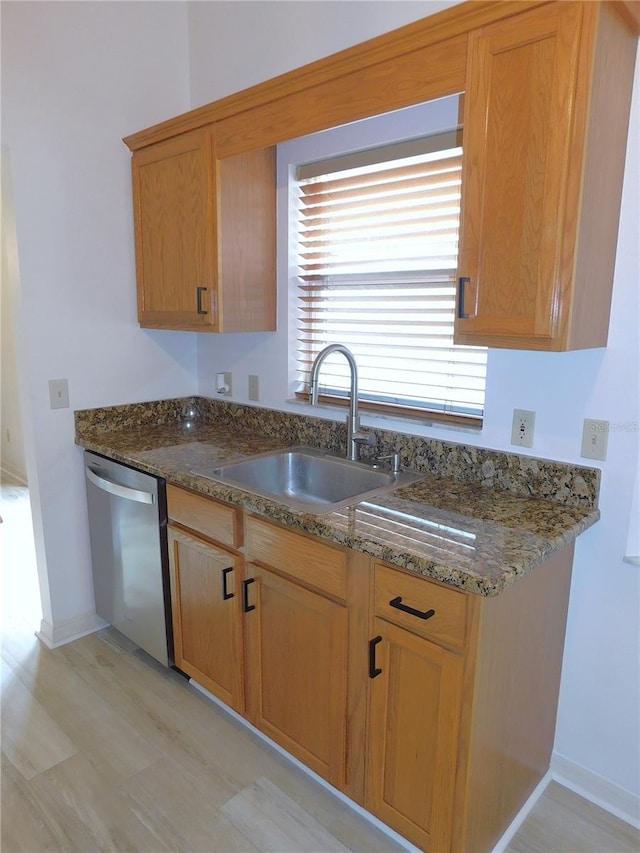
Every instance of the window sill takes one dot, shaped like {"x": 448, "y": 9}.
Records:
{"x": 413, "y": 418}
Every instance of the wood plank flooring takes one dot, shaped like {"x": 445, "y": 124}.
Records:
{"x": 563, "y": 822}
{"x": 105, "y": 750}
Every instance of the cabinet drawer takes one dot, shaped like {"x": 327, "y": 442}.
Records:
{"x": 306, "y": 559}
{"x": 447, "y": 625}
{"x": 205, "y": 515}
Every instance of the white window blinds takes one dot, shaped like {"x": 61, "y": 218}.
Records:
{"x": 377, "y": 253}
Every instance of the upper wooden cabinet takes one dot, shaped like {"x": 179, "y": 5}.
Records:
{"x": 547, "y": 96}
{"x": 545, "y": 128}
{"x": 205, "y": 236}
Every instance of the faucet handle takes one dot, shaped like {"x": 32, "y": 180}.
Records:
{"x": 364, "y": 436}
{"x": 394, "y": 459}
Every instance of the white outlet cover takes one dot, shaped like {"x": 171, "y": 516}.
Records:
{"x": 522, "y": 427}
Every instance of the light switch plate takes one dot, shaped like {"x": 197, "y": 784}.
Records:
{"x": 59, "y": 393}
{"x": 254, "y": 388}
{"x": 595, "y": 437}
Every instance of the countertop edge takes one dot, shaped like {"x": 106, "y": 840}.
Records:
{"x": 314, "y": 525}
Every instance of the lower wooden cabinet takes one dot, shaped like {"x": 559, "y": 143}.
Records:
{"x": 432, "y": 707}
{"x": 462, "y": 713}
{"x": 414, "y": 716}
{"x": 207, "y": 626}
{"x": 297, "y": 670}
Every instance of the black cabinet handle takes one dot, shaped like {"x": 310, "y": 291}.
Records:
{"x": 246, "y": 607}
{"x": 199, "y": 292}
{"x": 462, "y": 281}
{"x": 373, "y": 669}
{"x": 226, "y": 595}
{"x": 421, "y": 614}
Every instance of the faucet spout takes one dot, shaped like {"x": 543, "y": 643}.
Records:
{"x": 353, "y": 420}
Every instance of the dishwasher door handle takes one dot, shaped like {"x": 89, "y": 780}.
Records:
{"x": 119, "y": 491}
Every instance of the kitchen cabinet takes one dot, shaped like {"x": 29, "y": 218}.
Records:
{"x": 547, "y": 100}
{"x": 415, "y": 706}
{"x": 297, "y": 635}
{"x": 205, "y": 591}
{"x": 547, "y": 97}
{"x": 463, "y": 702}
{"x": 432, "y": 707}
{"x": 413, "y": 731}
{"x": 204, "y": 236}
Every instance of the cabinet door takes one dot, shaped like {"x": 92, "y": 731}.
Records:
{"x": 414, "y": 711}
{"x": 297, "y": 671}
{"x": 175, "y": 227}
{"x": 520, "y": 158}
{"x": 207, "y": 626}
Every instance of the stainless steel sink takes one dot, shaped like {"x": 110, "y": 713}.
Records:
{"x": 307, "y": 479}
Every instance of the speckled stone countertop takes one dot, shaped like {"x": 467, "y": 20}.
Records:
{"x": 479, "y": 519}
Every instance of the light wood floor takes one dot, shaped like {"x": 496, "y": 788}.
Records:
{"x": 104, "y": 749}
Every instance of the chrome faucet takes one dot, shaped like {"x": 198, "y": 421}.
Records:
{"x": 355, "y": 436}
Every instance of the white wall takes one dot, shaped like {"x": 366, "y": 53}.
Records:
{"x": 235, "y": 45}
{"x": 599, "y": 702}
{"x": 76, "y": 78}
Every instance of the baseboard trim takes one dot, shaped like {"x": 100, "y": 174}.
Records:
{"x": 11, "y": 476}
{"x": 392, "y": 834}
{"x": 54, "y": 636}
{"x": 598, "y": 790}
{"x": 523, "y": 814}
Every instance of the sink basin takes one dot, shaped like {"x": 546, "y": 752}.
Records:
{"x": 307, "y": 479}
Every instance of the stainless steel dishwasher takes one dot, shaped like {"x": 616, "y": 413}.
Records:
{"x": 128, "y": 531}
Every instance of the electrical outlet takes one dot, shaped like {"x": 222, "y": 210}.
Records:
{"x": 59, "y": 393}
{"x": 223, "y": 384}
{"x": 522, "y": 428}
{"x": 254, "y": 388}
{"x": 595, "y": 437}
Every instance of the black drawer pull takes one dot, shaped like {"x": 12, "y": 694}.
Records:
{"x": 246, "y": 607}
{"x": 199, "y": 292}
{"x": 226, "y": 595}
{"x": 421, "y": 614}
{"x": 373, "y": 669}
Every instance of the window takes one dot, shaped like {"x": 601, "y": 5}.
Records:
{"x": 377, "y": 255}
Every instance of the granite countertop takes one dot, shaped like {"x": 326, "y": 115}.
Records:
{"x": 453, "y": 529}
